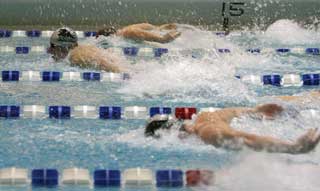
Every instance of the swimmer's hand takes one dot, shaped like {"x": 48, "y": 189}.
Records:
{"x": 170, "y": 36}
{"x": 170, "y": 26}
{"x": 307, "y": 142}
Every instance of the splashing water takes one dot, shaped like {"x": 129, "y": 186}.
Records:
{"x": 213, "y": 76}
{"x": 186, "y": 77}
{"x": 174, "y": 78}
{"x": 288, "y": 32}
{"x": 268, "y": 172}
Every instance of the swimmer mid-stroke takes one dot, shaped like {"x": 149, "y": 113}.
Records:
{"x": 214, "y": 128}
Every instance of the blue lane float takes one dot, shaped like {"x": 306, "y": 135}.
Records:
{"x": 45, "y": 177}
{"x": 169, "y": 178}
{"x": 311, "y": 79}
{"x": 274, "y": 80}
{"x": 283, "y": 50}
{"x": 254, "y": 50}
{"x": 22, "y": 50}
{"x": 110, "y": 112}
{"x": 224, "y": 50}
{"x": 92, "y": 76}
{"x": 33, "y": 33}
{"x": 60, "y": 112}
{"x": 130, "y": 51}
{"x": 160, "y": 111}
{"x": 8, "y": 111}
{"x": 49, "y": 76}
{"x": 107, "y": 178}
{"x": 158, "y": 52}
{"x": 10, "y": 76}
{"x": 313, "y": 51}
{"x": 5, "y": 34}
{"x": 90, "y": 34}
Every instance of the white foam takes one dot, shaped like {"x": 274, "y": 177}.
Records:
{"x": 169, "y": 141}
{"x": 289, "y": 32}
{"x": 266, "y": 172}
{"x": 188, "y": 79}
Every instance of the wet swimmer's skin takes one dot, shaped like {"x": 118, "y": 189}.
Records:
{"x": 64, "y": 44}
{"x": 313, "y": 95}
{"x": 143, "y": 32}
{"x": 214, "y": 128}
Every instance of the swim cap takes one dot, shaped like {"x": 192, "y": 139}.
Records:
{"x": 157, "y": 122}
{"x": 64, "y": 37}
{"x": 107, "y": 31}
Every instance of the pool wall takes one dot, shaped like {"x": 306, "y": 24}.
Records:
{"x": 85, "y": 14}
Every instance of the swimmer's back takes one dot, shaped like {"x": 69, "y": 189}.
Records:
{"x": 89, "y": 56}
{"x": 223, "y": 115}
{"x": 83, "y": 55}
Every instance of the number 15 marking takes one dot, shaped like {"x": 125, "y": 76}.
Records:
{"x": 234, "y": 9}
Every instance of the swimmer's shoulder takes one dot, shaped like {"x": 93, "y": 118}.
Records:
{"x": 83, "y": 53}
{"x": 206, "y": 116}
{"x": 83, "y": 49}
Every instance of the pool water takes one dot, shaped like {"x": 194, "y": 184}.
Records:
{"x": 173, "y": 80}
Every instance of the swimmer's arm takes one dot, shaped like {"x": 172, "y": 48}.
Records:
{"x": 312, "y": 94}
{"x": 169, "y": 26}
{"x": 138, "y": 34}
{"x": 304, "y": 144}
{"x": 289, "y": 98}
{"x": 228, "y": 114}
{"x": 267, "y": 110}
{"x": 143, "y": 26}
{"x": 148, "y": 26}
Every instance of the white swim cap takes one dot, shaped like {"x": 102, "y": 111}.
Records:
{"x": 64, "y": 37}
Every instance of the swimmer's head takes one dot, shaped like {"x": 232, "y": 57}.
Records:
{"x": 106, "y": 31}
{"x": 61, "y": 41}
{"x": 269, "y": 110}
{"x": 156, "y": 123}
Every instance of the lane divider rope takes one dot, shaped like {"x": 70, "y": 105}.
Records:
{"x": 56, "y": 76}
{"x": 136, "y": 177}
{"x": 81, "y": 34}
{"x": 285, "y": 80}
{"x": 106, "y": 112}
{"x": 158, "y": 52}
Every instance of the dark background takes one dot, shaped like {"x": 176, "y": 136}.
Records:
{"x": 90, "y": 14}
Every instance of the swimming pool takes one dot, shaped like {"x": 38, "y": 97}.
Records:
{"x": 189, "y": 76}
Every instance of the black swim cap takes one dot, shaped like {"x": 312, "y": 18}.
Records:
{"x": 64, "y": 37}
{"x": 107, "y": 31}
{"x": 157, "y": 122}
{"x": 153, "y": 126}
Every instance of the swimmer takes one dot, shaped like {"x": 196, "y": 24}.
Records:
{"x": 143, "y": 32}
{"x": 214, "y": 128}
{"x": 64, "y": 45}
